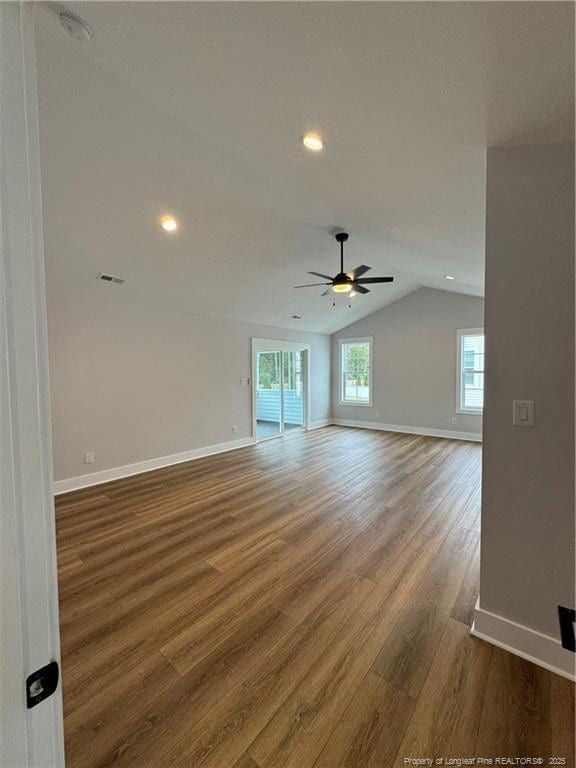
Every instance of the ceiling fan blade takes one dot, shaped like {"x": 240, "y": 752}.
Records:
{"x": 359, "y": 288}
{"x": 362, "y": 269}
{"x": 311, "y": 285}
{"x": 368, "y": 280}
{"x": 327, "y": 292}
{"x": 319, "y": 274}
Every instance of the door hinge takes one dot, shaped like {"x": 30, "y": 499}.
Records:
{"x": 41, "y": 684}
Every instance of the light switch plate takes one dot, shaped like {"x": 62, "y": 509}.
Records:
{"x": 523, "y": 413}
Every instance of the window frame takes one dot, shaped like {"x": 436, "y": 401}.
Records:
{"x": 460, "y": 333}
{"x": 341, "y": 344}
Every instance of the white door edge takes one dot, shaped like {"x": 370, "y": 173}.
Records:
{"x": 29, "y": 624}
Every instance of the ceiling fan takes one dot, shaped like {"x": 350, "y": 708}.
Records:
{"x": 346, "y": 282}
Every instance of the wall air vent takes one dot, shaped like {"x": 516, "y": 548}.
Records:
{"x": 110, "y": 278}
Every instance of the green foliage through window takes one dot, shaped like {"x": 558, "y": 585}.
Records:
{"x": 355, "y": 368}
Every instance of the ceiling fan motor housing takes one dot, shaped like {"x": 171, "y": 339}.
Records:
{"x": 341, "y": 277}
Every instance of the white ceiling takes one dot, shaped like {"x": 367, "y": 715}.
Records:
{"x": 197, "y": 109}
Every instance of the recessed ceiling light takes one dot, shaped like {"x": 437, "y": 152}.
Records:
{"x": 169, "y": 223}
{"x": 313, "y": 142}
{"x": 449, "y": 277}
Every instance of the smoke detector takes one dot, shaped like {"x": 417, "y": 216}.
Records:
{"x": 75, "y": 26}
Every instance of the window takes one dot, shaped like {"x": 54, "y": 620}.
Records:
{"x": 470, "y": 370}
{"x": 356, "y": 371}
{"x": 468, "y": 366}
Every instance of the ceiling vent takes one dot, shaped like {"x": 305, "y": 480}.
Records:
{"x": 107, "y": 278}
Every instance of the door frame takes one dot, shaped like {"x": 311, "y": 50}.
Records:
{"x": 278, "y": 345}
{"x": 29, "y": 622}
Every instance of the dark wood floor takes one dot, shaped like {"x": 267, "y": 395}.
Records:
{"x": 305, "y": 602}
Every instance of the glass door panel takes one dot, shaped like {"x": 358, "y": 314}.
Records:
{"x": 268, "y": 395}
{"x": 293, "y": 385}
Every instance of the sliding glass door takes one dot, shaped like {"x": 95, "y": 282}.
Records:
{"x": 293, "y": 388}
{"x": 279, "y": 391}
{"x": 268, "y": 394}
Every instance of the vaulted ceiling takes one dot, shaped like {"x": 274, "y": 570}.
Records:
{"x": 197, "y": 109}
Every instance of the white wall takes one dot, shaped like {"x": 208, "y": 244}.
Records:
{"x": 527, "y": 563}
{"x": 132, "y": 382}
{"x": 414, "y": 361}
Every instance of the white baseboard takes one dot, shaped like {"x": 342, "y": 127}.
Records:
{"x": 116, "y": 473}
{"x": 319, "y": 423}
{"x": 106, "y": 475}
{"x": 543, "y": 650}
{"x": 428, "y": 431}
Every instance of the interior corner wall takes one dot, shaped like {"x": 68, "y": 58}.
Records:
{"x": 132, "y": 383}
{"x": 528, "y": 526}
{"x": 414, "y": 363}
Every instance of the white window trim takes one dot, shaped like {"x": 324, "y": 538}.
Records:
{"x": 459, "y": 333}
{"x": 357, "y": 340}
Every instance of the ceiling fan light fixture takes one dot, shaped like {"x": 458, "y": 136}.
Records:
{"x": 341, "y": 287}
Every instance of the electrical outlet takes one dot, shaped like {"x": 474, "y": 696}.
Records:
{"x": 235, "y": 428}
{"x": 376, "y": 413}
{"x": 454, "y": 420}
{"x": 89, "y": 458}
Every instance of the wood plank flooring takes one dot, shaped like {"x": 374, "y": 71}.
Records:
{"x": 303, "y": 603}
